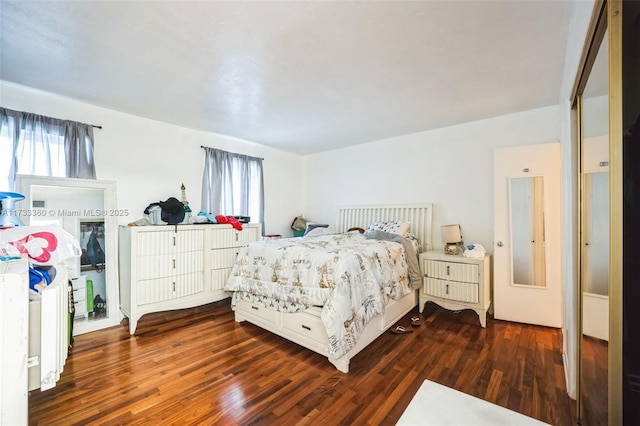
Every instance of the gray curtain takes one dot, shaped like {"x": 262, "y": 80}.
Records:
{"x": 232, "y": 185}
{"x": 9, "y": 124}
{"x": 78, "y": 149}
{"x": 43, "y": 146}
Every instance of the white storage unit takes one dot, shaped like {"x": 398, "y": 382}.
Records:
{"x": 49, "y": 333}
{"x": 33, "y": 338}
{"x": 14, "y": 332}
{"x": 456, "y": 282}
{"x": 168, "y": 267}
{"x": 80, "y": 296}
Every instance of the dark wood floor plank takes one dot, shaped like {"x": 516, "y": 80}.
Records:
{"x": 198, "y": 366}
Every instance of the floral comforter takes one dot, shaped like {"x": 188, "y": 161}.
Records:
{"x": 350, "y": 276}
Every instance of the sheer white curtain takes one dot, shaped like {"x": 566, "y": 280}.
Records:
{"x": 33, "y": 144}
{"x": 232, "y": 185}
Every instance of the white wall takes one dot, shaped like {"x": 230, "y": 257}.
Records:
{"x": 149, "y": 160}
{"x": 450, "y": 167}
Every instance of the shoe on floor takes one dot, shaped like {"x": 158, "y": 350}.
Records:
{"x": 401, "y": 330}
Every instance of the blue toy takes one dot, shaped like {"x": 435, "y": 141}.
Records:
{"x": 8, "y": 216}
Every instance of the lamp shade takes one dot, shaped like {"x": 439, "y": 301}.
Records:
{"x": 450, "y": 234}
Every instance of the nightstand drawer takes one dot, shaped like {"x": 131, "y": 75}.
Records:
{"x": 462, "y": 292}
{"x": 451, "y": 271}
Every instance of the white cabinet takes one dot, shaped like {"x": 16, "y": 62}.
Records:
{"x": 167, "y": 267}
{"x": 14, "y": 336}
{"x": 456, "y": 282}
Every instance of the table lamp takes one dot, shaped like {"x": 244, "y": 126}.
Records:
{"x": 452, "y": 238}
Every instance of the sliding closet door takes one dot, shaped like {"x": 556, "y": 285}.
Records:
{"x": 594, "y": 248}
{"x": 630, "y": 201}
{"x": 598, "y": 102}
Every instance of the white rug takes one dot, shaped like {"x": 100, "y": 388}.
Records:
{"x": 435, "y": 404}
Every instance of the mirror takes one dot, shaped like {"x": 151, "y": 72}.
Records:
{"x": 85, "y": 208}
{"x": 594, "y": 244}
{"x": 526, "y": 195}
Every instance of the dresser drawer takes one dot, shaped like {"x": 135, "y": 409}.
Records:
{"x": 183, "y": 241}
{"x": 79, "y": 285}
{"x": 462, "y": 292}
{"x": 229, "y": 237}
{"x": 219, "y": 278}
{"x": 80, "y": 301}
{"x": 169, "y": 288}
{"x": 223, "y": 258}
{"x": 79, "y": 294}
{"x": 451, "y": 271}
{"x": 307, "y": 325}
{"x": 150, "y": 267}
{"x": 80, "y": 308}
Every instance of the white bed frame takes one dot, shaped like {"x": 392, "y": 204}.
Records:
{"x": 306, "y": 328}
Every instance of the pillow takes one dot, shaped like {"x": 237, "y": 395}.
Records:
{"x": 415, "y": 241}
{"x": 312, "y": 226}
{"x": 318, "y": 231}
{"x": 356, "y": 229}
{"x": 393, "y": 226}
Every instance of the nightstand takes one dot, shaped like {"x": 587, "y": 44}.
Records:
{"x": 455, "y": 282}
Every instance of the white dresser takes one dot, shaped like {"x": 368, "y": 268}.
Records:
{"x": 167, "y": 267}
{"x": 456, "y": 282}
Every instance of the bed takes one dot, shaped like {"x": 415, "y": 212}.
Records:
{"x": 335, "y": 292}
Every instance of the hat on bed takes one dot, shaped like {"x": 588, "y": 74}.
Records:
{"x": 172, "y": 211}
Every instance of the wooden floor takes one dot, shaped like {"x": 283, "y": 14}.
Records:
{"x": 198, "y": 366}
{"x": 595, "y": 381}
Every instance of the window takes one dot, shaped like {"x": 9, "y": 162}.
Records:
{"x": 233, "y": 185}
{"x": 32, "y": 144}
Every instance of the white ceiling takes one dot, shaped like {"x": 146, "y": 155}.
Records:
{"x": 300, "y": 76}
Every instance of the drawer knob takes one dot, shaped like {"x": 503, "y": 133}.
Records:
{"x": 306, "y": 327}
{"x": 254, "y": 307}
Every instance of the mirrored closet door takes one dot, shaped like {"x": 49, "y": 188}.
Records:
{"x": 85, "y": 208}
{"x": 594, "y": 248}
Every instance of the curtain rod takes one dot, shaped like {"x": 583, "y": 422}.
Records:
{"x": 55, "y": 118}
{"x": 235, "y": 153}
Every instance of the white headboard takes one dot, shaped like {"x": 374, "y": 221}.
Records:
{"x": 420, "y": 217}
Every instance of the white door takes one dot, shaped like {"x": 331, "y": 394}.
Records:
{"x": 527, "y": 234}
